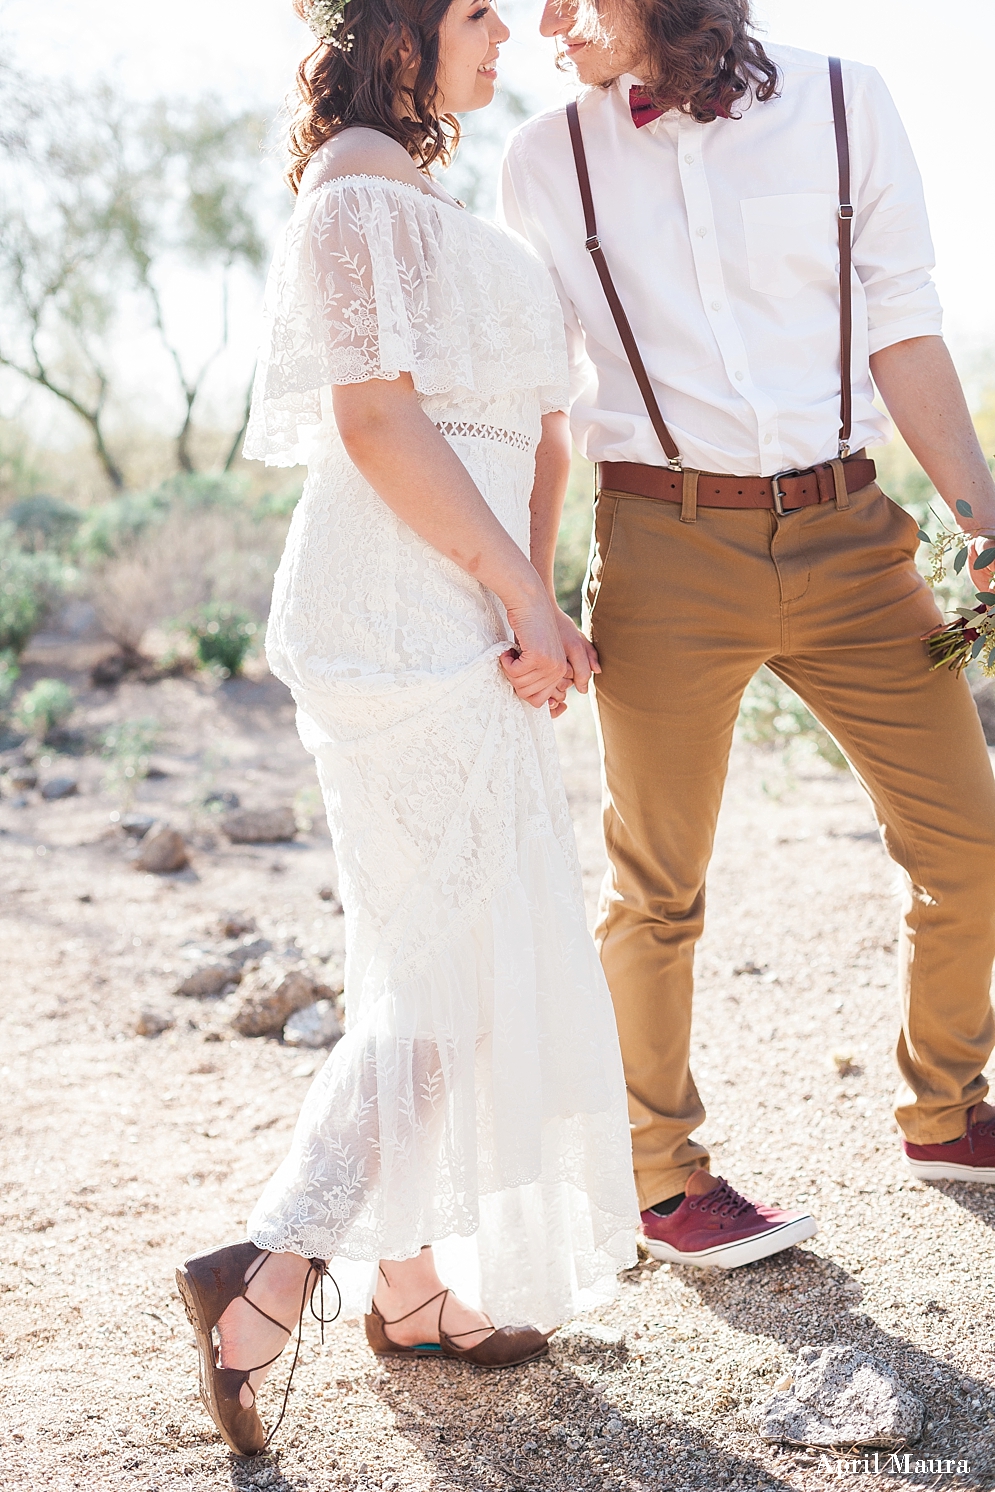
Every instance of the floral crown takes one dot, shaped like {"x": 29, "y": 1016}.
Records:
{"x": 326, "y": 19}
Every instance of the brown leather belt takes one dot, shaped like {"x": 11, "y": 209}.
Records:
{"x": 784, "y": 492}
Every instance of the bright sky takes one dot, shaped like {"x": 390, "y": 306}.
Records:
{"x": 935, "y": 58}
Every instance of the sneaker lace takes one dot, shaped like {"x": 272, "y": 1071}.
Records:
{"x": 984, "y": 1127}
{"x": 723, "y": 1200}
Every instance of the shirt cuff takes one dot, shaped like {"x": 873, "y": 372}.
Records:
{"x": 923, "y": 324}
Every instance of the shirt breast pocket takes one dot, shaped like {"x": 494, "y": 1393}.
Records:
{"x": 791, "y": 241}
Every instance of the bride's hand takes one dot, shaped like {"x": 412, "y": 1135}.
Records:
{"x": 537, "y": 666}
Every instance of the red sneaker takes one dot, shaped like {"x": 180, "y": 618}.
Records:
{"x": 723, "y": 1230}
{"x": 971, "y": 1158}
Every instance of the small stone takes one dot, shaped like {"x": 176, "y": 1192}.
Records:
{"x": 269, "y": 997}
{"x": 162, "y": 850}
{"x": 841, "y": 1396}
{"x": 328, "y": 893}
{"x": 152, "y": 1023}
{"x": 222, "y": 799}
{"x": 23, "y": 779}
{"x": 235, "y": 924}
{"x": 260, "y": 825}
{"x": 209, "y": 980}
{"x": 136, "y": 825}
{"x": 250, "y": 951}
{"x": 316, "y": 1025}
{"x": 59, "y": 787}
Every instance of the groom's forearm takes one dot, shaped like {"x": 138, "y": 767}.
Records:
{"x": 548, "y": 492}
{"x": 918, "y": 382}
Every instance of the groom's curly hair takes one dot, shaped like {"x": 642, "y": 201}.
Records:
{"x": 701, "y": 58}
{"x": 357, "y": 79}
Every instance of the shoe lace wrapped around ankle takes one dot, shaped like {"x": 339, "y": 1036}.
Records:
{"x": 723, "y": 1201}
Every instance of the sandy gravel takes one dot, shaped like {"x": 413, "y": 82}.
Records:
{"x": 121, "y": 1153}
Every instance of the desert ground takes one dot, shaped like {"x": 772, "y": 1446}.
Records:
{"x": 122, "y": 1152}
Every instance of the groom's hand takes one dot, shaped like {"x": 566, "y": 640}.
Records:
{"x": 582, "y": 656}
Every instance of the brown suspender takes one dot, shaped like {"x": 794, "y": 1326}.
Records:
{"x": 846, "y": 245}
{"x": 593, "y": 246}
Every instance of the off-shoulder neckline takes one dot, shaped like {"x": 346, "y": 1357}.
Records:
{"x": 408, "y": 186}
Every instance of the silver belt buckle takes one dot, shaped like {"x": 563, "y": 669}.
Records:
{"x": 779, "y": 495}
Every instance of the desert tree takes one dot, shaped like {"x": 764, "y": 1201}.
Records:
{"x": 101, "y": 201}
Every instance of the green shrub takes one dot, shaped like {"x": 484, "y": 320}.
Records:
{"x": 29, "y": 584}
{"x": 127, "y": 749}
{"x": 112, "y": 526}
{"x": 9, "y": 674}
{"x": 43, "y": 522}
{"x": 45, "y": 707}
{"x": 771, "y": 714}
{"x": 223, "y": 634}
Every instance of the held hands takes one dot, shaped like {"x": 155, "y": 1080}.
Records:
{"x": 550, "y": 654}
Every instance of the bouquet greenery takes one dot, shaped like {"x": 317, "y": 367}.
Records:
{"x": 970, "y": 637}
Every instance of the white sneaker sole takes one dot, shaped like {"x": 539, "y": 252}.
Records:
{"x": 939, "y": 1170}
{"x": 746, "y": 1251}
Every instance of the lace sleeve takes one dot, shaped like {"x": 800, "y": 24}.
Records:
{"x": 375, "y": 278}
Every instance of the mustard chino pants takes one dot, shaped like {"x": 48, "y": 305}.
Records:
{"x": 683, "y": 614}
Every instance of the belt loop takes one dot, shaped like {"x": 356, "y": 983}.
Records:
{"x": 689, "y": 503}
{"x": 839, "y": 477}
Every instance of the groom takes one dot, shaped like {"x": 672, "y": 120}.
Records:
{"x": 721, "y": 397}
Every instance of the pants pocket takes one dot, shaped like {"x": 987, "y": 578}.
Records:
{"x": 605, "y": 509}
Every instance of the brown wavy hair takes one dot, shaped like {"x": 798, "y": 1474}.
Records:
{"x": 358, "y": 80}
{"x": 701, "y": 58}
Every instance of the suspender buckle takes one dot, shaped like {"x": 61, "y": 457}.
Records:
{"x": 592, "y": 244}
{"x": 675, "y": 463}
{"x": 779, "y": 493}
{"x": 846, "y": 211}
{"x": 844, "y": 450}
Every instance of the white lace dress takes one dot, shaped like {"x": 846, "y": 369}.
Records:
{"x": 478, "y": 1091}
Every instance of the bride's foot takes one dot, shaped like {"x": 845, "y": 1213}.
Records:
{"x": 408, "y": 1296}
{"x": 247, "y": 1338}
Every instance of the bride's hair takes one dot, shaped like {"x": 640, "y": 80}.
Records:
{"x": 356, "y": 79}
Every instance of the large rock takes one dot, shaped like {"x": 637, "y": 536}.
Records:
{"x": 269, "y": 996}
{"x": 316, "y": 1025}
{"x": 162, "y": 850}
{"x": 260, "y": 825}
{"x": 59, "y": 787}
{"x": 210, "y": 980}
{"x": 841, "y": 1396}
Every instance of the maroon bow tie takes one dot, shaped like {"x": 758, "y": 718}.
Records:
{"x": 642, "y": 107}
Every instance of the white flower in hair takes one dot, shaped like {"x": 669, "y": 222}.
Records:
{"x": 325, "y": 18}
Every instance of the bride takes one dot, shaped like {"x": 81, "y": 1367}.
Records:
{"x": 414, "y": 360}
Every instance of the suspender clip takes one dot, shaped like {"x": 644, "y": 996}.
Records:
{"x": 675, "y": 463}
{"x": 592, "y": 244}
{"x": 844, "y": 450}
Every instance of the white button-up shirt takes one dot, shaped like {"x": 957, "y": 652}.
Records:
{"x": 722, "y": 242}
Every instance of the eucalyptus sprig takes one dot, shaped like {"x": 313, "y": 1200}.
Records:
{"x": 971, "y": 636}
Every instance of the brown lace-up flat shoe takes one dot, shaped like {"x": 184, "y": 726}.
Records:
{"x": 208, "y": 1283}
{"x": 504, "y": 1347}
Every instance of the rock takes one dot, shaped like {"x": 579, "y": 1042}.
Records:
{"x": 136, "y": 825}
{"x": 210, "y": 980}
{"x": 162, "y": 850}
{"x": 270, "y": 996}
{"x": 222, "y": 799}
{"x": 841, "y": 1396}
{"x": 260, "y": 825}
{"x": 152, "y": 1023}
{"x": 22, "y": 779}
{"x": 235, "y": 924}
{"x": 108, "y": 671}
{"x": 59, "y": 787}
{"x": 250, "y": 951}
{"x": 316, "y": 1025}
{"x": 328, "y": 893}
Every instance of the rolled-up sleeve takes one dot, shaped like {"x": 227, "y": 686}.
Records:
{"x": 514, "y": 211}
{"x": 892, "y": 246}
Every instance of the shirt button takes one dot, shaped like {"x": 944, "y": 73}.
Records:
{"x": 740, "y": 375}
{"x": 716, "y": 305}
{"x": 702, "y": 232}
{"x": 689, "y": 158}
{"x": 768, "y": 439}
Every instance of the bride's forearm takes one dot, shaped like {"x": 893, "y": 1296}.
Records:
{"x": 418, "y": 474}
{"x": 548, "y": 492}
